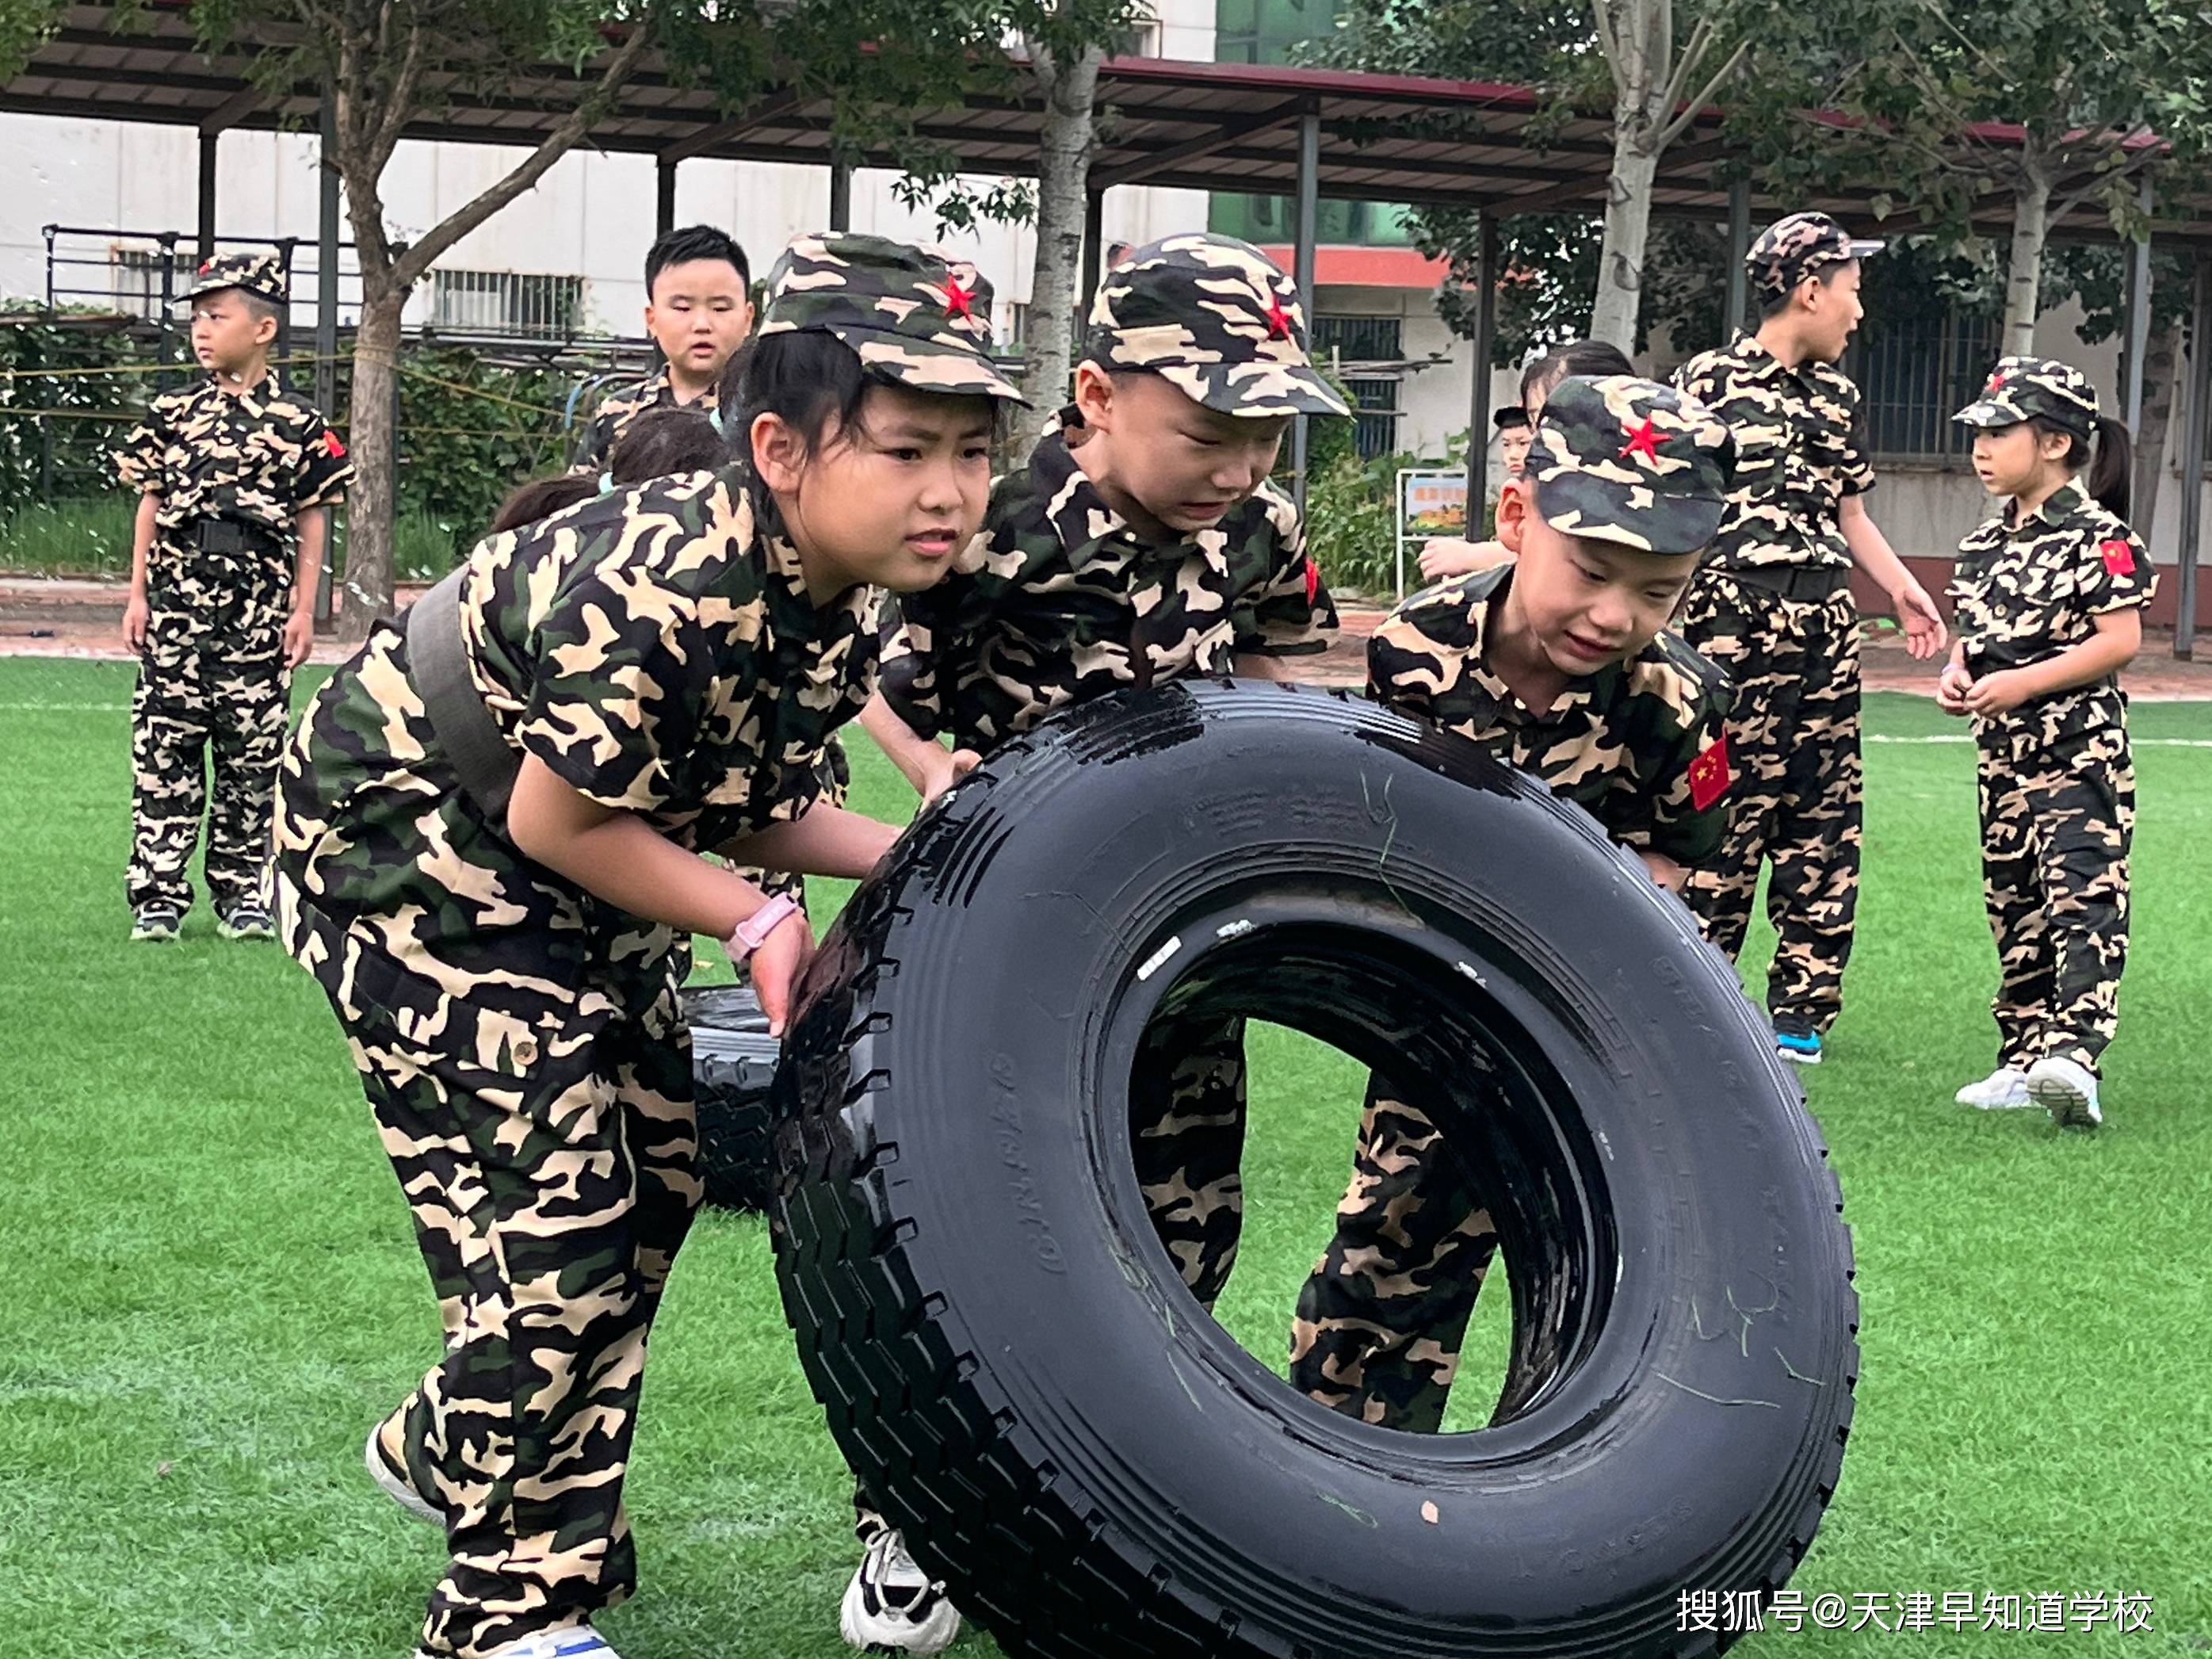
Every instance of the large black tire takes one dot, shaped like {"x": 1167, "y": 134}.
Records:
{"x": 733, "y": 1062}
{"x": 1006, "y": 1353}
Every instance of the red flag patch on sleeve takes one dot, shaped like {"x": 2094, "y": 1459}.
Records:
{"x": 1313, "y": 581}
{"x": 331, "y": 446}
{"x": 2119, "y": 557}
{"x": 1709, "y": 776}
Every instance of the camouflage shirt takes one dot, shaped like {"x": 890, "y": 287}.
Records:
{"x": 656, "y": 648}
{"x": 259, "y": 457}
{"x": 619, "y": 408}
{"x": 1799, "y": 452}
{"x": 2026, "y": 592}
{"x": 1640, "y": 745}
{"x": 1060, "y": 600}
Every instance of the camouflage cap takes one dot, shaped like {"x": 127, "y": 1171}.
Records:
{"x": 2022, "y": 388}
{"x": 1217, "y": 320}
{"x": 914, "y": 315}
{"x": 1630, "y": 461}
{"x": 261, "y": 275}
{"x": 1803, "y": 245}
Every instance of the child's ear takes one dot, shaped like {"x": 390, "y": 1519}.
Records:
{"x": 1513, "y": 510}
{"x": 264, "y": 331}
{"x": 780, "y": 452}
{"x": 1094, "y": 396}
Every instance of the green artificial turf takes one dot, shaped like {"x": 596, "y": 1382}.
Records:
{"x": 214, "y": 1290}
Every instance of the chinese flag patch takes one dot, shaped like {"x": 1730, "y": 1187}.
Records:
{"x": 331, "y": 446}
{"x": 2119, "y": 557}
{"x": 1313, "y": 582}
{"x": 1709, "y": 774}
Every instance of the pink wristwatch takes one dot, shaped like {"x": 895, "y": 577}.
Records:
{"x": 753, "y": 932}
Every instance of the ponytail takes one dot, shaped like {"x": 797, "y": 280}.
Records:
{"x": 2111, "y": 464}
{"x": 2111, "y": 474}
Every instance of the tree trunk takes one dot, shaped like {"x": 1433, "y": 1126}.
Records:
{"x": 1627, "y": 227}
{"x": 371, "y": 507}
{"x": 2030, "y": 230}
{"x": 1064, "y": 152}
{"x": 2161, "y": 397}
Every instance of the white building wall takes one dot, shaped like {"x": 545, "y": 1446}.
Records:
{"x": 592, "y": 215}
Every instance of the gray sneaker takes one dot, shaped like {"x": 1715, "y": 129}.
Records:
{"x": 246, "y": 921}
{"x": 155, "y": 924}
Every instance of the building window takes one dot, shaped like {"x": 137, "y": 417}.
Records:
{"x": 506, "y": 302}
{"x": 135, "y": 279}
{"x": 1271, "y": 31}
{"x": 1268, "y": 30}
{"x": 1141, "y": 40}
{"x": 1273, "y": 219}
{"x": 1359, "y": 339}
{"x": 1375, "y": 414}
{"x": 1913, "y": 374}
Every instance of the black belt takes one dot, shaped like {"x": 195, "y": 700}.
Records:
{"x": 229, "y": 536}
{"x": 438, "y": 663}
{"x": 1803, "y": 583}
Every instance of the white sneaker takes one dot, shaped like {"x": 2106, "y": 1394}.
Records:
{"x": 2068, "y": 1090}
{"x": 892, "y": 1607}
{"x": 2003, "y": 1090}
{"x": 397, "y": 1487}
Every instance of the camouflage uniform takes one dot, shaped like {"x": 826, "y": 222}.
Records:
{"x": 620, "y": 407}
{"x": 1061, "y": 600}
{"x": 1640, "y": 745}
{"x": 2056, "y": 780}
{"x": 519, "y": 1039}
{"x": 233, "y": 473}
{"x": 1773, "y": 607}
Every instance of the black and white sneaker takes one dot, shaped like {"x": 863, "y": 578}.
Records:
{"x": 892, "y": 1607}
{"x": 155, "y": 924}
{"x": 245, "y": 920}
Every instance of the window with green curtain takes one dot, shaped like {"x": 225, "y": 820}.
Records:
{"x": 1268, "y": 32}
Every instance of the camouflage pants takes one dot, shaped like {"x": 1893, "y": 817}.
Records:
{"x": 213, "y": 694}
{"x": 2057, "y": 821}
{"x": 1793, "y": 739}
{"x": 1379, "y": 1324}
{"x": 548, "y": 1157}
{"x": 1187, "y": 1130}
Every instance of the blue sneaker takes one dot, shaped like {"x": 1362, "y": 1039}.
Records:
{"x": 1798, "y": 1048}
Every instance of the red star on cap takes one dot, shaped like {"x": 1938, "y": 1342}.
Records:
{"x": 1643, "y": 441}
{"x": 206, "y": 265}
{"x": 958, "y": 301}
{"x": 1278, "y": 321}
{"x": 1997, "y": 379}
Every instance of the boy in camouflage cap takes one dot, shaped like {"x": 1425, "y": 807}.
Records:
{"x": 1558, "y": 664}
{"x": 1143, "y": 541}
{"x": 1774, "y": 608}
{"x": 235, "y": 478}
{"x": 698, "y": 310}
{"x": 2049, "y": 596}
{"x": 494, "y": 828}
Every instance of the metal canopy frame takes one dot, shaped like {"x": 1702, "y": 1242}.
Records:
{"x": 1300, "y": 134}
